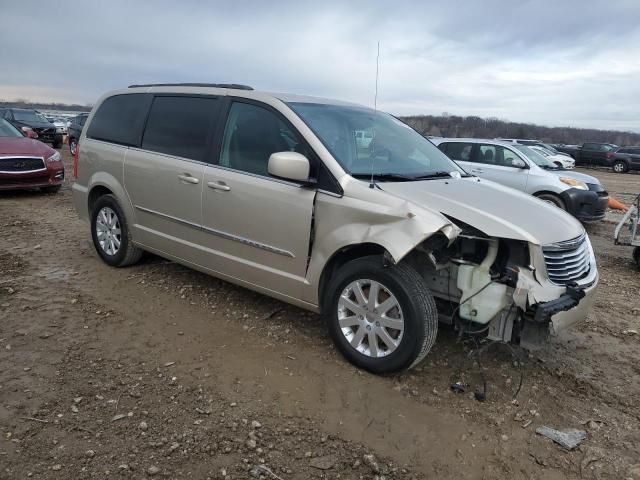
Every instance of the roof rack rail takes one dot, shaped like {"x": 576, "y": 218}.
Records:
{"x": 235, "y": 86}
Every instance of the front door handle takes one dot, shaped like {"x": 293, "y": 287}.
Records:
{"x": 477, "y": 170}
{"x": 188, "y": 179}
{"x": 218, "y": 186}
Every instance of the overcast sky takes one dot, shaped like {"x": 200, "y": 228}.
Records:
{"x": 558, "y": 63}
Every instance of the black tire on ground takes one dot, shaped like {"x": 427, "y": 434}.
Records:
{"x": 73, "y": 144}
{"x": 636, "y": 256}
{"x": 558, "y": 164}
{"x": 418, "y": 311}
{"x": 52, "y": 189}
{"x": 57, "y": 143}
{"x": 620, "y": 167}
{"x": 128, "y": 253}
{"x": 551, "y": 198}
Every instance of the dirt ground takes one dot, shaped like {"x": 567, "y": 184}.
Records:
{"x": 159, "y": 371}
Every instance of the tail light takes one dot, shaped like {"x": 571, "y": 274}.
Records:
{"x": 609, "y": 154}
{"x": 76, "y": 160}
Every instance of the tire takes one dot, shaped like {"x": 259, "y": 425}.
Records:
{"x": 126, "y": 252}
{"x": 53, "y": 189}
{"x": 620, "y": 167}
{"x": 415, "y": 311}
{"x": 553, "y": 199}
{"x": 558, "y": 164}
{"x": 73, "y": 145}
{"x": 57, "y": 143}
{"x": 636, "y": 256}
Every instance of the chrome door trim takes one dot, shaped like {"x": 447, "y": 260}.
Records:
{"x": 220, "y": 233}
{"x": 169, "y": 217}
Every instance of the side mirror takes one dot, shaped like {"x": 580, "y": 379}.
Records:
{"x": 289, "y": 165}
{"x": 519, "y": 163}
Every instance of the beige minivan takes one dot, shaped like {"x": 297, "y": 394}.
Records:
{"x": 279, "y": 194}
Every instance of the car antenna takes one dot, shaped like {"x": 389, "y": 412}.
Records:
{"x": 375, "y": 107}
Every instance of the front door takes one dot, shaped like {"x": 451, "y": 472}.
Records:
{"x": 494, "y": 162}
{"x": 258, "y": 226}
{"x": 164, "y": 178}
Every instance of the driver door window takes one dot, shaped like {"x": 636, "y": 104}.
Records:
{"x": 251, "y": 135}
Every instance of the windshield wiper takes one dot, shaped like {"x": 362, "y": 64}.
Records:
{"x": 384, "y": 176}
{"x": 427, "y": 176}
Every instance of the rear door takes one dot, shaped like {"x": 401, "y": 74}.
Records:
{"x": 164, "y": 176}
{"x": 634, "y": 158}
{"x": 258, "y": 226}
{"x": 494, "y": 162}
{"x": 459, "y": 152}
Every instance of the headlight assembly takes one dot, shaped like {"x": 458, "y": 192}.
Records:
{"x": 574, "y": 183}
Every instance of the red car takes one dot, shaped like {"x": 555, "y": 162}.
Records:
{"x": 28, "y": 163}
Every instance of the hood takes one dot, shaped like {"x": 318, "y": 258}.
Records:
{"x": 576, "y": 176}
{"x": 496, "y": 210}
{"x": 24, "y": 146}
{"x": 35, "y": 124}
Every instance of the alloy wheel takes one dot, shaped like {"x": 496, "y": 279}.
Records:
{"x": 108, "y": 231}
{"x": 370, "y": 318}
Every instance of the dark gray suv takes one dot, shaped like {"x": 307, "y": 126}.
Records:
{"x": 624, "y": 159}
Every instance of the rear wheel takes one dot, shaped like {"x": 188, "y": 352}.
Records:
{"x": 552, "y": 199}
{"x": 111, "y": 235}
{"x": 382, "y": 318}
{"x": 620, "y": 167}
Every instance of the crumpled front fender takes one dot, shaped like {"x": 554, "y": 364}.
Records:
{"x": 373, "y": 218}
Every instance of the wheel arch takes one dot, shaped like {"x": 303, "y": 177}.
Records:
{"x": 339, "y": 258}
{"x": 103, "y": 183}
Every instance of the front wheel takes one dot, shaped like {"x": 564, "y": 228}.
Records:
{"x": 552, "y": 199}
{"x": 111, "y": 235}
{"x": 51, "y": 189}
{"x": 382, "y": 318}
{"x": 73, "y": 145}
{"x": 620, "y": 167}
{"x": 636, "y": 256}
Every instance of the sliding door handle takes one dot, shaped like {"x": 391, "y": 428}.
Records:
{"x": 219, "y": 186}
{"x": 188, "y": 179}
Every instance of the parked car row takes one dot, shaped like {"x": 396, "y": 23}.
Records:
{"x": 26, "y": 119}
{"x": 339, "y": 209}
{"x": 592, "y": 154}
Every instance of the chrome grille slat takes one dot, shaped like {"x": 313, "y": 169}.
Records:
{"x": 567, "y": 261}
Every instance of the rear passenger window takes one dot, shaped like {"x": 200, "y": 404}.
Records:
{"x": 180, "y": 126}
{"x": 120, "y": 119}
{"x": 252, "y": 134}
{"x": 459, "y": 151}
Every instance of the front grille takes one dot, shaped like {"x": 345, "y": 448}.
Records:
{"x": 21, "y": 164}
{"x": 567, "y": 262}
{"x": 45, "y": 130}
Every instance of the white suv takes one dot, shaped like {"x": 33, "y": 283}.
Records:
{"x": 520, "y": 167}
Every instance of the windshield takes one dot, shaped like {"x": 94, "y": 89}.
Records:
{"x": 535, "y": 157}
{"x": 8, "y": 130}
{"x": 365, "y": 141}
{"x": 29, "y": 116}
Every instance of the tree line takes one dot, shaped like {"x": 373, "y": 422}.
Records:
{"x": 447, "y": 125}
{"x": 63, "y": 107}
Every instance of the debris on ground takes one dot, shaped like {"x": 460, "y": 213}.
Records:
{"x": 569, "y": 438}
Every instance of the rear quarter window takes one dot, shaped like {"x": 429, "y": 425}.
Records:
{"x": 120, "y": 119}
